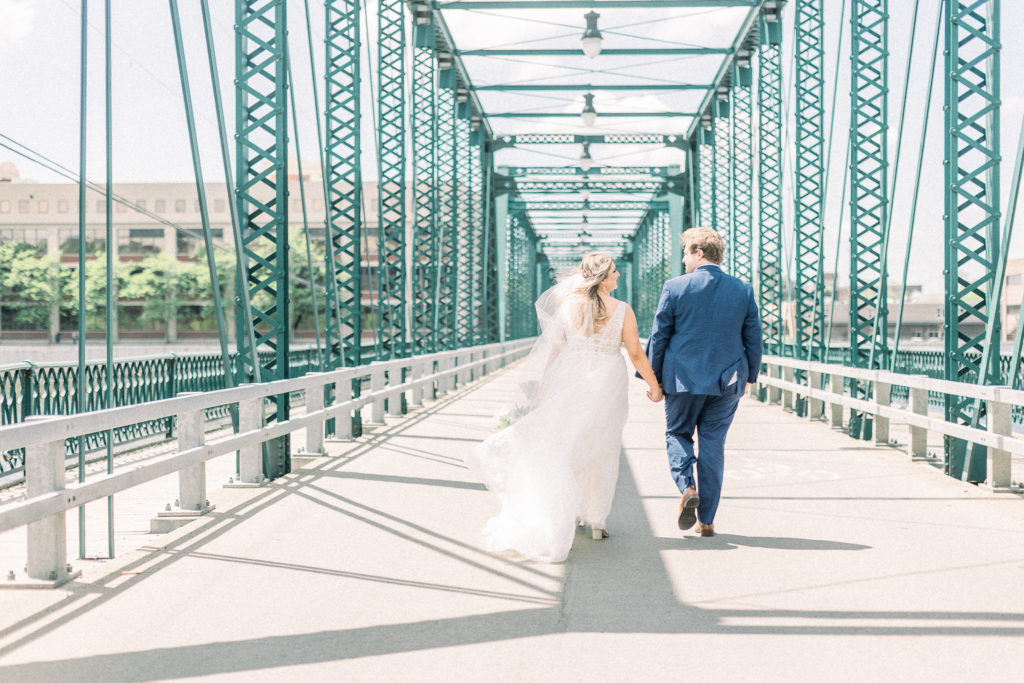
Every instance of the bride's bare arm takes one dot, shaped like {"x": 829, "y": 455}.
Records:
{"x": 631, "y": 338}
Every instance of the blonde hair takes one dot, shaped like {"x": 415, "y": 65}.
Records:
{"x": 587, "y": 308}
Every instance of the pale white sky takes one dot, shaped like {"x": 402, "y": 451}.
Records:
{"x": 39, "y": 79}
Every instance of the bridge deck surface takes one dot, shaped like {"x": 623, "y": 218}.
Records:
{"x": 834, "y": 561}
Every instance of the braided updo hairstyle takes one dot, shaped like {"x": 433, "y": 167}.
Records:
{"x": 588, "y": 310}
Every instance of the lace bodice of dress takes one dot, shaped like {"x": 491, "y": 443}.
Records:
{"x": 607, "y": 340}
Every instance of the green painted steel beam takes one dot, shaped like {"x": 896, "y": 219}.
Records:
{"x": 741, "y": 227}
{"x": 596, "y": 206}
{"x": 573, "y": 139}
{"x": 658, "y": 171}
{"x": 447, "y": 272}
{"x": 602, "y": 115}
{"x": 595, "y": 4}
{"x": 425, "y": 190}
{"x": 391, "y": 156}
{"x": 568, "y": 87}
{"x": 769, "y": 170}
{"x": 972, "y": 156}
{"x": 722, "y": 188}
{"x": 553, "y": 186}
{"x": 261, "y": 161}
{"x": 606, "y": 52}
{"x": 343, "y": 147}
{"x": 810, "y": 174}
{"x": 869, "y": 186}
{"x": 464, "y": 237}
{"x": 706, "y": 167}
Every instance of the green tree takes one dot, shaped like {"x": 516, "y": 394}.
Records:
{"x": 28, "y": 285}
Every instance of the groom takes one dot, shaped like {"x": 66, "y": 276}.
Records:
{"x": 705, "y": 346}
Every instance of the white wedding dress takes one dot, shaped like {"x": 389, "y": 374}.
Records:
{"x": 559, "y": 461}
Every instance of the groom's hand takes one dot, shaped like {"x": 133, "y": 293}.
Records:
{"x": 655, "y": 394}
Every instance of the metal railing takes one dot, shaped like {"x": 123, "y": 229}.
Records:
{"x": 28, "y": 389}
{"x": 824, "y": 385}
{"x": 49, "y": 496}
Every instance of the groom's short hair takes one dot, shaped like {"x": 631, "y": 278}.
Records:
{"x": 707, "y": 240}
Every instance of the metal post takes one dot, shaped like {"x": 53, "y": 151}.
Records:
{"x": 250, "y": 458}
{"x": 817, "y": 405}
{"x": 344, "y": 183}
{"x": 810, "y": 110}
{"x": 261, "y": 152}
{"x": 998, "y": 465}
{"x": 972, "y": 157}
{"x": 919, "y": 435}
{"x": 769, "y": 165}
{"x": 836, "y": 383}
{"x": 391, "y": 264}
{"x": 315, "y": 431}
{"x": 883, "y": 397}
{"x": 47, "y": 538}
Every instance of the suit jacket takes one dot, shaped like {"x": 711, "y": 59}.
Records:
{"x": 706, "y": 336}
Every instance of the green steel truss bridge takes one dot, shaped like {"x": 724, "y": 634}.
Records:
{"x": 509, "y": 137}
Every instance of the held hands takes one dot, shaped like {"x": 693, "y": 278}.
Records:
{"x": 655, "y": 393}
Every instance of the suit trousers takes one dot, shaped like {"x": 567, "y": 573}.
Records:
{"x": 709, "y": 418}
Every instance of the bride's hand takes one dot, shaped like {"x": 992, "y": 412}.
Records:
{"x": 655, "y": 394}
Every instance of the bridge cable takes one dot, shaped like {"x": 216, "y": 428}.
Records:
{"x": 819, "y": 296}
{"x": 331, "y": 292}
{"x": 917, "y": 184}
{"x": 879, "y": 338}
{"x": 302, "y": 201}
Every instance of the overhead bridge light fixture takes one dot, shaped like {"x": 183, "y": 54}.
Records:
{"x": 589, "y": 114}
{"x": 592, "y": 36}
{"x": 586, "y": 162}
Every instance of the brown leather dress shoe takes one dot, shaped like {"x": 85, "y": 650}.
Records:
{"x": 705, "y": 529}
{"x": 688, "y": 508}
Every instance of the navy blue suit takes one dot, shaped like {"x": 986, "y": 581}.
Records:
{"x": 705, "y": 345}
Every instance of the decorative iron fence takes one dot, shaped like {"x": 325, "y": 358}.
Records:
{"x": 52, "y": 389}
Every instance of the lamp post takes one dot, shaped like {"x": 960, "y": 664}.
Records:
{"x": 589, "y": 114}
{"x": 586, "y": 161}
{"x": 592, "y": 36}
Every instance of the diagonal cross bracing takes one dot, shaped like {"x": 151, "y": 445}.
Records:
{"x": 810, "y": 114}
{"x": 971, "y": 206}
{"x": 869, "y": 194}
{"x": 391, "y": 242}
{"x": 344, "y": 176}
{"x": 769, "y": 101}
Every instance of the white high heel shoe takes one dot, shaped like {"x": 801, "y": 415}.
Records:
{"x": 597, "y": 533}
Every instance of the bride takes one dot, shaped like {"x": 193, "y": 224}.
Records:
{"x": 557, "y": 464}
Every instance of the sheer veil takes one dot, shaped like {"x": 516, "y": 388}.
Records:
{"x": 553, "y": 316}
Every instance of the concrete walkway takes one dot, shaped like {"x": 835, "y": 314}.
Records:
{"x": 834, "y": 561}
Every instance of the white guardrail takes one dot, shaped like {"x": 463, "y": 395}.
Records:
{"x": 48, "y": 496}
{"x": 997, "y": 436}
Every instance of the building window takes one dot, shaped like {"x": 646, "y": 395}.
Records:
{"x": 101, "y": 206}
{"x": 1012, "y": 280}
{"x": 195, "y": 206}
{"x": 318, "y": 205}
{"x": 161, "y": 206}
{"x": 188, "y": 243}
{"x": 933, "y": 334}
{"x": 63, "y": 206}
{"x": 141, "y": 203}
{"x": 34, "y": 236}
{"x": 179, "y": 206}
{"x": 218, "y": 206}
{"x": 5, "y": 205}
{"x": 22, "y": 206}
{"x": 119, "y": 207}
{"x": 1013, "y": 310}
{"x": 43, "y": 206}
{"x": 140, "y": 241}
{"x": 95, "y": 241}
